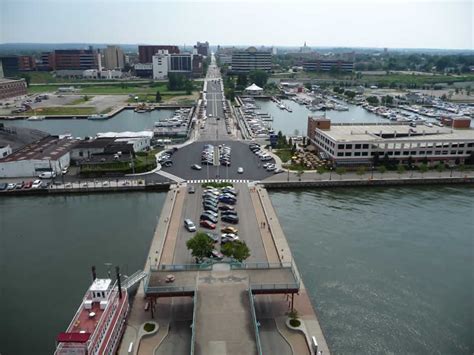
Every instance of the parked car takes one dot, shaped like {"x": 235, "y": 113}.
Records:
{"x": 240, "y": 170}
{"x": 47, "y": 175}
{"x": 229, "y": 213}
{"x": 3, "y": 186}
{"x": 230, "y": 219}
{"x": 189, "y": 225}
{"x": 229, "y": 229}
{"x": 207, "y": 224}
{"x": 208, "y": 217}
{"x": 210, "y": 207}
{"x": 167, "y": 163}
{"x": 216, "y": 254}
{"x": 228, "y": 200}
{"x": 11, "y": 186}
{"x": 196, "y": 167}
{"x": 28, "y": 185}
{"x": 212, "y": 213}
{"x": 213, "y": 236}
{"x": 226, "y": 208}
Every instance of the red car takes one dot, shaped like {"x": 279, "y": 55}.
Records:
{"x": 207, "y": 224}
{"x": 28, "y": 185}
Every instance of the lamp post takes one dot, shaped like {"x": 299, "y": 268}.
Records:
{"x": 372, "y": 173}
{"x": 330, "y": 173}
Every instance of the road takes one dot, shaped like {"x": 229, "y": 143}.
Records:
{"x": 247, "y": 226}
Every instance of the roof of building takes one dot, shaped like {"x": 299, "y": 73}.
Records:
{"x": 148, "y": 134}
{"x": 94, "y": 143}
{"x": 17, "y": 137}
{"x": 47, "y": 148}
{"x": 253, "y": 87}
{"x": 6, "y": 81}
{"x": 381, "y": 132}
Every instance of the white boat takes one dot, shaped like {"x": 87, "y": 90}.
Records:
{"x": 36, "y": 118}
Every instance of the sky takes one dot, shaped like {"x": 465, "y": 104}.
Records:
{"x": 445, "y": 24}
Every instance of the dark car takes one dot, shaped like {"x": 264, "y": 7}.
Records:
{"x": 228, "y": 213}
{"x": 209, "y": 207}
{"x": 207, "y": 224}
{"x": 229, "y": 191}
{"x": 225, "y": 163}
{"x": 167, "y": 163}
{"x": 226, "y": 208}
{"x": 208, "y": 217}
{"x": 3, "y": 186}
{"x": 230, "y": 219}
{"x": 211, "y": 200}
{"x": 228, "y": 200}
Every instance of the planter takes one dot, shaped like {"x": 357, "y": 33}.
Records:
{"x": 294, "y": 324}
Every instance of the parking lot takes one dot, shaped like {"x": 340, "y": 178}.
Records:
{"x": 248, "y": 229}
{"x": 241, "y": 156}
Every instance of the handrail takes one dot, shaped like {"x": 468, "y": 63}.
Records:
{"x": 158, "y": 289}
{"x": 181, "y": 267}
{"x": 255, "y": 323}
{"x": 262, "y": 265}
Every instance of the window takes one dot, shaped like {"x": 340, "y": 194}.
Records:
{"x": 348, "y": 146}
{"x": 340, "y": 154}
{"x": 445, "y": 152}
{"x": 357, "y": 154}
{"x": 413, "y": 152}
{"x": 390, "y": 153}
{"x": 453, "y": 152}
{"x": 357, "y": 146}
{"x": 406, "y": 153}
{"x": 340, "y": 146}
{"x": 364, "y": 154}
{"x": 437, "y": 152}
{"x": 429, "y": 152}
{"x": 459, "y": 151}
{"x": 397, "y": 152}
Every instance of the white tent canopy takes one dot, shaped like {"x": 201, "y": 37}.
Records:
{"x": 254, "y": 88}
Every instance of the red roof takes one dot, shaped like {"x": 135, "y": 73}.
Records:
{"x": 73, "y": 337}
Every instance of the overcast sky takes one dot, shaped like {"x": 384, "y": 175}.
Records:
{"x": 359, "y": 23}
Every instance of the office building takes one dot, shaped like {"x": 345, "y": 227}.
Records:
{"x": 146, "y": 52}
{"x": 26, "y": 63}
{"x": 160, "y": 65}
{"x": 75, "y": 59}
{"x": 47, "y": 61}
{"x": 358, "y": 144}
{"x": 328, "y": 65}
{"x": 202, "y": 48}
{"x": 198, "y": 66}
{"x": 10, "y": 65}
{"x": 113, "y": 58}
{"x": 12, "y": 88}
{"x": 251, "y": 59}
{"x": 143, "y": 70}
{"x": 180, "y": 63}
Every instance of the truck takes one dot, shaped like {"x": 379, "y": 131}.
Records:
{"x": 47, "y": 175}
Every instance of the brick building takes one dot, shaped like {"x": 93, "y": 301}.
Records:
{"x": 146, "y": 52}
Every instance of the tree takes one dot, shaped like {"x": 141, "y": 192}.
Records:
{"x": 188, "y": 87}
{"x": 382, "y": 169}
{"x": 400, "y": 169}
{"x": 176, "y": 81}
{"x": 200, "y": 245}
{"x": 158, "y": 96}
{"x": 242, "y": 81}
{"x": 423, "y": 169}
{"x": 361, "y": 170}
{"x": 321, "y": 170}
{"x": 373, "y": 100}
{"x": 376, "y": 159}
{"x": 27, "y": 78}
{"x": 258, "y": 77}
{"x": 440, "y": 167}
{"x": 340, "y": 171}
{"x": 237, "y": 250}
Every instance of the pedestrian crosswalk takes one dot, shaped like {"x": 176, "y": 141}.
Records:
{"x": 203, "y": 181}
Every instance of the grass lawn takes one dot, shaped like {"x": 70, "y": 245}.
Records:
{"x": 61, "y": 110}
{"x": 284, "y": 154}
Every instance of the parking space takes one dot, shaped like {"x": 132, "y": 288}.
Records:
{"x": 242, "y": 157}
{"x": 248, "y": 229}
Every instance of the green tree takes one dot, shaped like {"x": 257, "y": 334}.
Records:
{"x": 321, "y": 170}
{"x": 188, "y": 87}
{"x": 258, "y": 77}
{"x": 382, "y": 169}
{"x": 340, "y": 171}
{"x": 373, "y": 100}
{"x": 423, "y": 169}
{"x": 400, "y": 169}
{"x": 242, "y": 81}
{"x": 176, "y": 81}
{"x": 237, "y": 250}
{"x": 27, "y": 78}
{"x": 361, "y": 170}
{"x": 200, "y": 245}
{"x": 440, "y": 167}
{"x": 158, "y": 96}
{"x": 350, "y": 94}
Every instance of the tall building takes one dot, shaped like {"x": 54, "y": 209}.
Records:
{"x": 251, "y": 59}
{"x": 75, "y": 59}
{"x": 160, "y": 65}
{"x": 146, "y": 52}
{"x": 202, "y": 48}
{"x": 10, "y": 65}
{"x": 113, "y": 58}
{"x": 181, "y": 63}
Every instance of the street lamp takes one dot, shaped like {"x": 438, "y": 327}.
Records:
{"x": 330, "y": 172}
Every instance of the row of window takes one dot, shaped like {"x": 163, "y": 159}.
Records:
{"x": 405, "y": 153}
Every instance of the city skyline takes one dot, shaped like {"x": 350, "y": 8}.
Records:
{"x": 425, "y": 24}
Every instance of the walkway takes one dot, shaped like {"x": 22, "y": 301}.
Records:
{"x": 170, "y": 176}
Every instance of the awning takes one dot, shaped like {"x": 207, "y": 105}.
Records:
{"x": 73, "y": 337}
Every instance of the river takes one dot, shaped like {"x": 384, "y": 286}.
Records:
{"x": 389, "y": 269}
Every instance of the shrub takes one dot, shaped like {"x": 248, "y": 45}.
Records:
{"x": 295, "y": 322}
{"x": 149, "y": 327}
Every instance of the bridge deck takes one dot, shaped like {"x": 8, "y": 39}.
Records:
{"x": 262, "y": 280}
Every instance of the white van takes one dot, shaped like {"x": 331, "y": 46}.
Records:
{"x": 47, "y": 175}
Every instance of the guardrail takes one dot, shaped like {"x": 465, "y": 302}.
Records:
{"x": 169, "y": 289}
{"x": 181, "y": 267}
{"x": 261, "y": 265}
{"x": 270, "y": 286}
{"x": 255, "y": 322}
{"x": 193, "y": 330}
